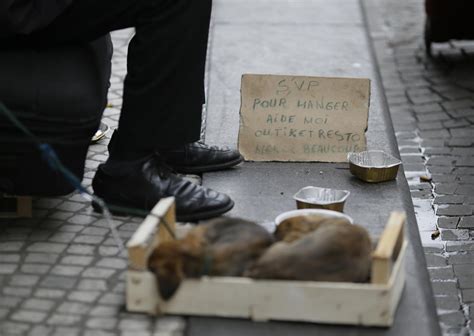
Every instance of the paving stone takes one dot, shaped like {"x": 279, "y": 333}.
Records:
{"x": 430, "y": 117}
{"x": 440, "y": 169}
{"x": 95, "y": 231}
{"x": 457, "y": 104}
{"x": 8, "y": 268}
{"x": 84, "y": 296}
{"x": 24, "y": 280}
{"x": 92, "y": 285}
{"x": 49, "y": 293}
{"x": 466, "y": 179}
{"x": 446, "y": 188}
{"x": 454, "y": 210}
{"x": 467, "y": 223}
{"x": 444, "y": 288}
{"x": 88, "y": 239}
{"x": 112, "y": 263}
{"x": 435, "y": 134}
{"x": 448, "y": 222}
{"x": 61, "y": 215}
{"x": 17, "y": 291}
{"x": 77, "y": 308}
{"x": 65, "y": 320}
{"x": 427, "y": 108}
{"x": 462, "y": 258}
{"x": 435, "y": 260}
{"x": 460, "y": 133}
{"x": 449, "y": 199}
{"x": 101, "y": 323}
{"x": 42, "y": 258}
{"x": 455, "y": 123}
{"x": 467, "y": 295}
{"x": 41, "y": 331}
{"x": 28, "y": 316}
{"x": 81, "y": 249}
{"x": 448, "y": 235}
{"x": 466, "y": 282}
{"x": 65, "y": 331}
{"x": 58, "y": 282}
{"x": 47, "y": 247}
{"x": 437, "y": 151}
{"x": 38, "y": 304}
{"x": 3, "y": 313}
{"x": 463, "y": 270}
{"x": 135, "y": 325}
{"x": 35, "y": 268}
{"x": 170, "y": 324}
{"x": 62, "y": 237}
{"x": 95, "y": 272}
{"x": 112, "y": 299}
{"x": 14, "y": 328}
{"x": 77, "y": 260}
{"x": 108, "y": 251}
{"x": 11, "y": 246}
{"x": 453, "y": 319}
{"x": 67, "y": 270}
{"x": 89, "y": 332}
{"x": 465, "y": 190}
{"x": 441, "y": 273}
{"x": 107, "y": 311}
{"x": 9, "y": 301}
{"x": 71, "y": 228}
{"x": 461, "y": 142}
{"x": 453, "y": 246}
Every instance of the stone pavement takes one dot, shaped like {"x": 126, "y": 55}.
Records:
{"x": 432, "y": 106}
{"x": 61, "y": 272}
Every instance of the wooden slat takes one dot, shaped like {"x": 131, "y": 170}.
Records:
{"x": 147, "y": 235}
{"x": 388, "y": 248}
{"x": 22, "y": 207}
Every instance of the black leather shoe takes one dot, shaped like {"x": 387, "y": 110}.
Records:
{"x": 150, "y": 181}
{"x": 198, "y": 157}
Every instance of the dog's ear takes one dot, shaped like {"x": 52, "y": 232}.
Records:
{"x": 169, "y": 278}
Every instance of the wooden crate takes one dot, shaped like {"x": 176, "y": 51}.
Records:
{"x": 368, "y": 304}
{"x": 15, "y": 206}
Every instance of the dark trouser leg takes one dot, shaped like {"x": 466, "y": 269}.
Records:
{"x": 163, "y": 91}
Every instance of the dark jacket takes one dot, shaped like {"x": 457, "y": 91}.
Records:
{"x": 26, "y": 16}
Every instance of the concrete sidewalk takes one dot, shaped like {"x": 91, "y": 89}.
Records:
{"x": 61, "y": 272}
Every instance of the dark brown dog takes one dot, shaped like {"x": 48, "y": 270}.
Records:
{"x": 332, "y": 252}
{"x": 221, "y": 247}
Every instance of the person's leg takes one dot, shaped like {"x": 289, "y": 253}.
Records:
{"x": 163, "y": 96}
{"x": 164, "y": 86}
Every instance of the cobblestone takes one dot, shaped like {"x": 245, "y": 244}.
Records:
{"x": 28, "y": 316}
{"x": 441, "y": 273}
{"x": 38, "y": 304}
{"x": 449, "y": 153}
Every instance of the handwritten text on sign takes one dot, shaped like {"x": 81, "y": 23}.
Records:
{"x": 295, "y": 118}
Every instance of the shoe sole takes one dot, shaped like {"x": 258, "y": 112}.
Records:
{"x": 179, "y": 218}
{"x": 208, "y": 168}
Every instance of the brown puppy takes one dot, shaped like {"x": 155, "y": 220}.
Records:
{"x": 332, "y": 252}
{"x": 294, "y": 228}
{"x": 221, "y": 247}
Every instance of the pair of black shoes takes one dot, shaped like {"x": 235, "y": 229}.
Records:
{"x": 146, "y": 181}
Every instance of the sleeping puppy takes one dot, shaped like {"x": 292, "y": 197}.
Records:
{"x": 221, "y": 247}
{"x": 332, "y": 252}
{"x": 294, "y": 228}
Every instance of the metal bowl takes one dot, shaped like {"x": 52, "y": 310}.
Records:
{"x": 321, "y": 198}
{"x": 311, "y": 212}
{"x": 373, "y": 166}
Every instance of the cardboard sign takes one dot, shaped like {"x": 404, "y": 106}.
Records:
{"x": 294, "y": 118}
